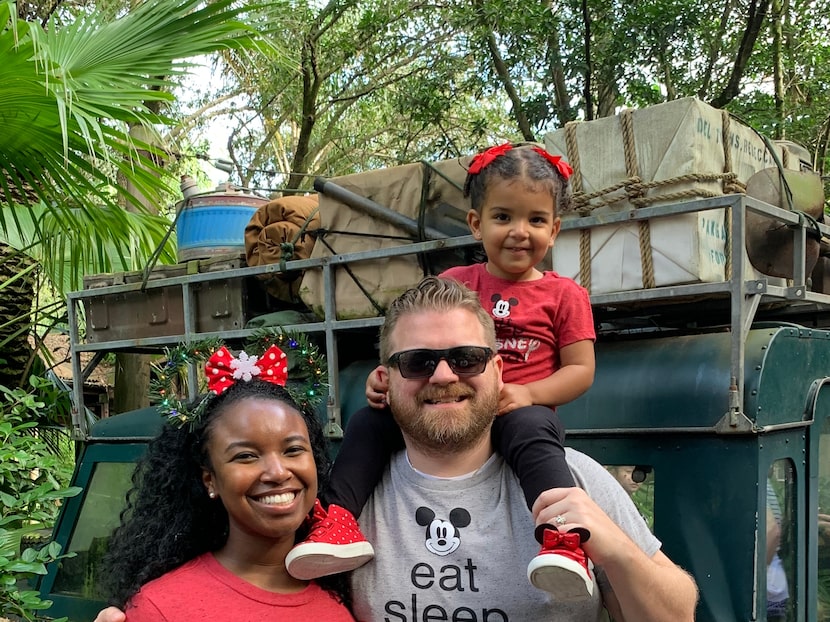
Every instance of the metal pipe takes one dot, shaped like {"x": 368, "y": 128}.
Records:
{"x": 376, "y": 210}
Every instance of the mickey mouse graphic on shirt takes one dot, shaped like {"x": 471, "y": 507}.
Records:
{"x": 442, "y": 536}
{"x": 501, "y": 307}
{"x": 513, "y": 344}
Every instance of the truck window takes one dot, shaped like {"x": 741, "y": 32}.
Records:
{"x": 104, "y": 501}
{"x": 824, "y": 522}
{"x": 780, "y": 541}
{"x": 638, "y": 481}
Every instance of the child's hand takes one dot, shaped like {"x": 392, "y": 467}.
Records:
{"x": 514, "y": 396}
{"x": 376, "y": 388}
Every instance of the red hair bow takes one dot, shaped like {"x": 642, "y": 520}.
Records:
{"x": 223, "y": 369}
{"x": 483, "y": 159}
{"x": 558, "y": 163}
{"x": 486, "y": 157}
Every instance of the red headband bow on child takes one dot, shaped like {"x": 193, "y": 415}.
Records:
{"x": 223, "y": 369}
{"x": 486, "y": 157}
{"x": 483, "y": 159}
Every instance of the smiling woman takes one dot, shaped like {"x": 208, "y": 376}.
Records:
{"x": 217, "y": 504}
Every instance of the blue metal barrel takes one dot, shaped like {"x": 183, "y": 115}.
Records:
{"x": 214, "y": 224}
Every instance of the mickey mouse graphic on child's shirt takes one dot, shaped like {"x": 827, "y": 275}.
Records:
{"x": 501, "y": 307}
{"x": 442, "y": 536}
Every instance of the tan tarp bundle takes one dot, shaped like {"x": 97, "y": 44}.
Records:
{"x": 677, "y": 151}
{"x": 435, "y": 188}
{"x": 278, "y": 231}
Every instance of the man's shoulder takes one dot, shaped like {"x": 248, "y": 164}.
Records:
{"x": 577, "y": 457}
{"x": 587, "y": 472}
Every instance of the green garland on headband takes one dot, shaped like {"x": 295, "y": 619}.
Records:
{"x": 171, "y": 373}
{"x": 307, "y": 376}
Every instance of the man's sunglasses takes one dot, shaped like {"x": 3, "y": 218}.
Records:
{"x": 463, "y": 361}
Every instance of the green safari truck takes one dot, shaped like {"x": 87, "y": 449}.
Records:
{"x": 713, "y": 398}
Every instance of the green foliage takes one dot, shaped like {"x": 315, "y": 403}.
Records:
{"x": 368, "y": 85}
{"x": 33, "y": 482}
{"x": 379, "y": 83}
{"x": 81, "y": 111}
{"x": 15, "y": 596}
{"x": 643, "y": 498}
{"x": 75, "y": 91}
{"x": 80, "y": 114}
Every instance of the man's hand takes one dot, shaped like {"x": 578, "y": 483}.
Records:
{"x": 642, "y": 588}
{"x": 376, "y": 388}
{"x": 110, "y": 614}
{"x": 579, "y": 510}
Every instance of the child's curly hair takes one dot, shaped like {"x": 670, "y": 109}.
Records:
{"x": 520, "y": 164}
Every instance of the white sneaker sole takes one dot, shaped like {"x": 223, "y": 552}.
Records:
{"x": 312, "y": 560}
{"x": 564, "y": 578}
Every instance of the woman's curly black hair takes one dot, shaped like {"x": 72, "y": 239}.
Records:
{"x": 169, "y": 518}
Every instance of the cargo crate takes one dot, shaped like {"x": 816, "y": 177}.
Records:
{"x": 668, "y": 153}
{"x": 219, "y": 305}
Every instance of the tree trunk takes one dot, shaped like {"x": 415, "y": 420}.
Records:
{"x": 778, "y": 66}
{"x": 311, "y": 90}
{"x": 589, "y": 104}
{"x": 17, "y": 282}
{"x": 131, "y": 387}
{"x": 132, "y": 383}
{"x": 714, "y": 50}
{"x": 562, "y": 96}
{"x": 821, "y": 148}
{"x": 607, "y": 97}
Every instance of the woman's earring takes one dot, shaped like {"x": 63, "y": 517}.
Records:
{"x": 212, "y": 494}
{"x": 477, "y": 235}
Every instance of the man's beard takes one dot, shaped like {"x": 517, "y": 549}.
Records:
{"x": 452, "y": 429}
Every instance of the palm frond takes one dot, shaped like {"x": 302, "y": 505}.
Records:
{"x": 59, "y": 83}
{"x": 68, "y": 244}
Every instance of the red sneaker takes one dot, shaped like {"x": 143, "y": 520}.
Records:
{"x": 335, "y": 544}
{"x": 561, "y": 567}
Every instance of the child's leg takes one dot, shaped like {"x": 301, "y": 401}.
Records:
{"x": 371, "y": 437}
{"x": 335, "y": 543}
{"x": 530, "y": 439}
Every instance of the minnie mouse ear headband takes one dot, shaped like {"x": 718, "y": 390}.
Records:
{"x": 485, "y": 158}
{"x": 223, "y": 369}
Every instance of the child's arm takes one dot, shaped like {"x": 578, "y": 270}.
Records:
{"x": 572, "y": 379}
{"x": 376, "y": 388}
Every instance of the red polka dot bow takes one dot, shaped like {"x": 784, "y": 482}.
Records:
{"x": 223, "y": 369}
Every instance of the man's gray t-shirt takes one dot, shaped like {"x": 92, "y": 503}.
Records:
{"x": 458, "y": 550}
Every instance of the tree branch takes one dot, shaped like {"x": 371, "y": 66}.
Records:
{"x": 755, "y": 19}
{"x": 504, "y": 75}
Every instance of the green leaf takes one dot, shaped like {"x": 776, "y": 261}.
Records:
{"x": 8, "y": 500}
